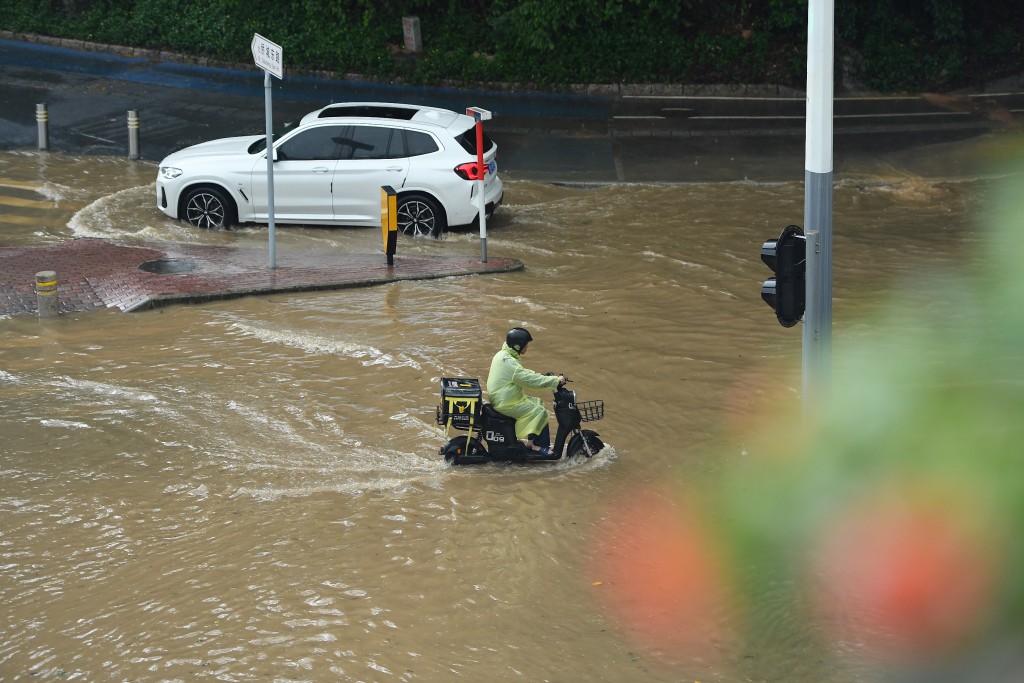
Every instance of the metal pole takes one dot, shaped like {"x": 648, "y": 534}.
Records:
{"x": 270, "y": 167}
{"x": 483, "y": 220}
{"x": 817, "y": 334}
{"x": 481, "y": 205}
{"x": 133, "y": 134}
{"x": 43, "y": 122}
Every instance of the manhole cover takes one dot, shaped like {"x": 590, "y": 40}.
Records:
{"x": 169, "y": 265}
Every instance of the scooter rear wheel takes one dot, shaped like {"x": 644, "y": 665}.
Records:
{"x": 459, "y": 452}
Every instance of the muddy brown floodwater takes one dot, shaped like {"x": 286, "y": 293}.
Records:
{"x": 250, "y": 490}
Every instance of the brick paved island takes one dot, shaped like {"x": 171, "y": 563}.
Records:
{"x": 96, "y": 273}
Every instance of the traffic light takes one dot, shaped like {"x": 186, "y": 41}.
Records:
{"x": 785, "y": 292}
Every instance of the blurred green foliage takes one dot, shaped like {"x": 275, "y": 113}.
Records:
{"x": 893, "y": 510}
{"x": 885, "y": 45}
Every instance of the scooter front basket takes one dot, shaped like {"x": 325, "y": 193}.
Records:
{"x": 591, "y": 410}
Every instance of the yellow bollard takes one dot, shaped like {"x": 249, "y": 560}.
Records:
{"x": 389, "y": 221}
{"x": 46, "y": 294}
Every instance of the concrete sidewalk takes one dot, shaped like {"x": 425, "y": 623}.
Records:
{"x": 97, "y": 274}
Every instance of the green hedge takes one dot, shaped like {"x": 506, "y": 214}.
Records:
{"x": 887, "y": 45}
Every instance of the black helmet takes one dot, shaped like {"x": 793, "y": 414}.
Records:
{"x": 517, "y": 338}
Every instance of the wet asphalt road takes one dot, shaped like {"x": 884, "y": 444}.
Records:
{"x": 677, "y": 134}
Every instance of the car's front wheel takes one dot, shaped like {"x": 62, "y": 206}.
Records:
{"x": 208, "y": 207}
{"x": 420, "y": 216}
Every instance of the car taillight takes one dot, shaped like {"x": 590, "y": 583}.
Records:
{"x": 470, "y": 171}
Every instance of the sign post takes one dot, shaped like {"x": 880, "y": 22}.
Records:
{"x": 270, "y": 57}
{"x": 480, "y": 115}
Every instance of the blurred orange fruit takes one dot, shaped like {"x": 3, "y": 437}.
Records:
{"x": 905, "y": 580}
{"x": 660, "y": 575}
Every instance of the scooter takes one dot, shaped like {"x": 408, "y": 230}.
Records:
{"x": 491, "y": 436}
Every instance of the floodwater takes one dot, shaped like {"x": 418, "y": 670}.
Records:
{"x": 250, "y": 490}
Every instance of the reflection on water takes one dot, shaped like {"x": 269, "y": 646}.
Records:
{"x": 249, "y": 489}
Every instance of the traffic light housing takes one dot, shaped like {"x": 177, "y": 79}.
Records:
{"x": 787, "y": 257}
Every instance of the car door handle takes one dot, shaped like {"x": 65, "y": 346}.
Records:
{"x": 320, "y": 169}
{"x": 395, "y": 169}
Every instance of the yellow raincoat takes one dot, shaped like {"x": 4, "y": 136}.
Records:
{"x": 505, "y": 384}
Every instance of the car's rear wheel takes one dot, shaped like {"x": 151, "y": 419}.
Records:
{"x": 208, "y": 207}
{"x": 420, "y": 216}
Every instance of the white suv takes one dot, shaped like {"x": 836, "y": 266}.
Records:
{"x": 329, "y": 169}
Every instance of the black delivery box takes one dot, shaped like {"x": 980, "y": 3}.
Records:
{"x": 461, "y": 402}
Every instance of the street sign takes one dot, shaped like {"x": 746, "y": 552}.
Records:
{"x": 268, "y": 55}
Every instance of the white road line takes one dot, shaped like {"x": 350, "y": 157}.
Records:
{"x": 801, "y": 117}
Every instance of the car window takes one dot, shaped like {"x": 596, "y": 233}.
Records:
{"x": 322, "y": 142}
{"x": 279, "y": 130}
{"x": 468, "y": 141}
{"x": 417, "y": 143}
{"x": 368, "y": 142}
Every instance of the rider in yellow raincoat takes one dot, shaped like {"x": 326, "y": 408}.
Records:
{"x": 505, "y": 383}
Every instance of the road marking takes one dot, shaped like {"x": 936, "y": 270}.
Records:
{"x": 25, "y": 203}
{"x": 836, "y": 116}
{"x": 21, "y": 209}
{"x": 19, "y": 184}
{"x": 93, "y": 137}
{"x": 21, "y": 220}
{"x": 876, "y": 98}
{"x": 794, "y": 117}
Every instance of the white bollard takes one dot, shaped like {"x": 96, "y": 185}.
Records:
{"x": 133, "y": 134}
{"x": 43, "y": 122}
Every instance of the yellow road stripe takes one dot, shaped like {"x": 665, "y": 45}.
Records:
{"x": 21, "y": 220}
{"x": 19, "y": 184}
{"x": 26, "y": 203}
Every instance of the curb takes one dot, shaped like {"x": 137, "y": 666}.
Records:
{"x": 611, "y": 90}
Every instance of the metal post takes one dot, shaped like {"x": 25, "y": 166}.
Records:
{"x": 482, "y": 209}
{"x": 46, "y": 294}
{"x": 480, "y": 115}
{"x": 269, "y": 112}
{"x": 817, "y": 334}
{"x": 133, "y": 134}
{"x": 480, "y": 190}
{"x": 43, "y": 122}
